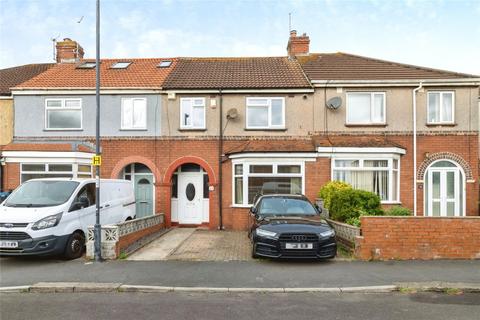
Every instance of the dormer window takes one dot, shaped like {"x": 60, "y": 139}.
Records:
{"x": 121, "y": 65}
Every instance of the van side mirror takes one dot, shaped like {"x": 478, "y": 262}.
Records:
{"x": 318, "y": 208}
{"x": 253, "y": 210}
{"x": 80, "y": 204}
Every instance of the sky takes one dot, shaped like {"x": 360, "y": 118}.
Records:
{"x": 438, "y": 34}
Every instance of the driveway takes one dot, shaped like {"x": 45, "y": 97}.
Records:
{"x": 190, "y": 244}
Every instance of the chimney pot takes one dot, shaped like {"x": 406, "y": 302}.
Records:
{"x": 293, "y": 33}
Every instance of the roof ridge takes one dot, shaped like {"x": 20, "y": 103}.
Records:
{"x": 28, "y": 65}
{"x": 469, "y": 75}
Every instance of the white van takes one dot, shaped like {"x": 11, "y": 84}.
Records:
{"x": 51, "y": 216}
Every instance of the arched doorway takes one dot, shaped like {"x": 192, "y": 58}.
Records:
{"x": 143, "y": 182}
{"x": 444, "y": 189}
{"x": 190, "y": 195}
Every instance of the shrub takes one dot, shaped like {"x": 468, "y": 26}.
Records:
{"x": 398, "y": 211}
{"x": 329, "y": 189}
{"x": 352, "y": 203}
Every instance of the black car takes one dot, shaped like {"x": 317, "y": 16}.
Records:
{"x": 289, "y": 226}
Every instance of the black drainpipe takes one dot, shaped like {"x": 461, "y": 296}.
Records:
{"x": 220, "y": 158}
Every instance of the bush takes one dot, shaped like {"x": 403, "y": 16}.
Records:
{"x": 329, "y": 189}
{"x": 398, "y": 211}
{"x": 352, "y": 203}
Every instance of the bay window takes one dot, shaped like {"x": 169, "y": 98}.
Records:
{"x": 253, "y": 179}
{"x": 378, "y": 175}
{"x": 366, "y": 108}
{"x": 54, "y": 170}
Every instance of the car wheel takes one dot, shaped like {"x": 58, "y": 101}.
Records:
{"x": 75, "y": 246}
{"x": 254, "y": 253}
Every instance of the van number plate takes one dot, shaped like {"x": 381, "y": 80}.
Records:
{"x": 8, "y": 244}
{"x": 298, "y": 245}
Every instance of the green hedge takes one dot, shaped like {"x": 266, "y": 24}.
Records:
{"x": 329, "y": 189}
{"x": 352, "y": 203}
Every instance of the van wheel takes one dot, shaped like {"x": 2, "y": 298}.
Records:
{"x": 75, "y": 246}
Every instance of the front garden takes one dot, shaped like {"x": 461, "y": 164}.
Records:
{"x": 346, "y": 204}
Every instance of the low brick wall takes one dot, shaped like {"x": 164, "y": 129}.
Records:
{"x": 424, "y": 238}
{"x": 117, "y": 238}
{"x": 345, "y": 233}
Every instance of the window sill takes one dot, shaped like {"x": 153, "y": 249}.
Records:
{"x": 440, "y": 124}
{"x": 266, "y": 129}
{"x": 192, "y": 129}
{"x": 370, "y": 125}
{"x": 391, "y": 202}
{"x": 125, "y": 129}
{"x": 62, "y": 129}
{"x": 241, "y": 206}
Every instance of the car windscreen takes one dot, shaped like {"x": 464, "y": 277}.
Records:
{"x": 41, "y": 193}
{"x": 285, "y": 206}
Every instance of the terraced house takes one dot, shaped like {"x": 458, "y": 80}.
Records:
{"x": 200, "y": 137}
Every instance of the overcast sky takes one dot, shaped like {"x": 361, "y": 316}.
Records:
{"x": 438, "y": 34}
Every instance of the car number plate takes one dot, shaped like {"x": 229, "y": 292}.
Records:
{"x": 8, "y": 244}
{"x": 299, "y": 246}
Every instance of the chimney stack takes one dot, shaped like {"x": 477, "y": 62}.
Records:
{"x": 69, "y": 51}
{"x": 298, "y": 46}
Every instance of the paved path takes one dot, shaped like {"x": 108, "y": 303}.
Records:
{"x": 190, "y": 244}
{"x": 263, "y": 273}
{"x": 205, "y": 245}
{"x": 162, "y": 247}
{"x": 177, "y": 306}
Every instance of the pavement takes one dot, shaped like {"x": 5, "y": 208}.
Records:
{"x": 216, "y": 306}
{"x": 190, "y": 244}
{"x": 237, "y": 274}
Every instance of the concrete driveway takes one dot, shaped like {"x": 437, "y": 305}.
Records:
{"x": 190, "y": 244}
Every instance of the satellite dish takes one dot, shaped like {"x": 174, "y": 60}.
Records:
{"x": 232, "y": 114}
{"x": 334, "y": 103}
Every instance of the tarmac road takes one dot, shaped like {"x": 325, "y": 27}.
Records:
{"x": 127, "y": 306}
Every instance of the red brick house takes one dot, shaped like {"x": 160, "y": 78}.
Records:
{"x": 199, "y": 137}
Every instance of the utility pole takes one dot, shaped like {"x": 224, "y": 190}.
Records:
{"x": 97, "y": 228}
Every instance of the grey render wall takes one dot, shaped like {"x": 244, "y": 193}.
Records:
{"x": 30, "y": 116}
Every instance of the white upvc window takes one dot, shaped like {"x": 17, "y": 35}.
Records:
{"x": 134, "y": 114}
{"x": 380, "y": 175}
{"x": 63, "y": 114}
{"x": 440, "y": 107}
{"x": 54, "y": 170}
{"x": 366, "y": 108}
{"x": 265, "y": 113}
{"x": 192, "y": 113}
{"x": 251, "y": 179}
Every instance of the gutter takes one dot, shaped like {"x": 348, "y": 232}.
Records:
{"x": 414, "y": 100}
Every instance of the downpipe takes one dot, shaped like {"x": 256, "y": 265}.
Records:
{"x": 414, "y": 97}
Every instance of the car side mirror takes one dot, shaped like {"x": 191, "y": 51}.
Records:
{"x": 318, "y": 208}
{"x": 80, "y": 204}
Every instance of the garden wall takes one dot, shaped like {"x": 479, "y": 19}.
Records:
{"x": 403, "y": 238}
{"x": 123, "y": 236}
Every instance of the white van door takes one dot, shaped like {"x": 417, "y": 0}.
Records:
{"x": 86, "y": 215}
{"x": 111, "y": 202}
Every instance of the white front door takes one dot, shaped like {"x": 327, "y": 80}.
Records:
{"x": 444, "y": 192}
{"x": 190, "y": 198}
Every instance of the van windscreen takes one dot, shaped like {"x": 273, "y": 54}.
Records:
{"x": 42, "y": 193}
